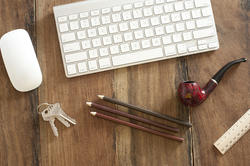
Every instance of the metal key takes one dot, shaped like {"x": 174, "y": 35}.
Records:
{"x": 52, "y": 112}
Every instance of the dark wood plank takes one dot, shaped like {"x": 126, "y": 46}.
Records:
{"x": 230, "y": 99}
{"x": 151, "y": 86}
{"x": 91, "y": 140}
{"x": 19, "y": 140}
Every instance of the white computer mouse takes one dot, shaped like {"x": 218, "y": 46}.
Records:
{"x": 20, "y": 60}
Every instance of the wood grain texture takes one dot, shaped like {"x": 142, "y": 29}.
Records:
{"x": 230, "y": 100}
{"x": 19, "y": 125}
{"x": 25, "y": 139}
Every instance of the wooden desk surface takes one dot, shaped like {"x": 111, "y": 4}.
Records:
{"x": 25, "y": 139}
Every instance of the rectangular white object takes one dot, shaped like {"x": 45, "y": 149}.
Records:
{"x": 232, "y": 135}
{"x": 125, "y": 32}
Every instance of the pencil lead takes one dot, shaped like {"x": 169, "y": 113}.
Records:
{"x": 93, "y": 113}
{"x": 89, "y": 103}
{"x": 101, "y": 96}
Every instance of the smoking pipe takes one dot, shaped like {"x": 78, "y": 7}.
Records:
{"x": 190, "y": 92}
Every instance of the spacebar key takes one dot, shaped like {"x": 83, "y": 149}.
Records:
{"x": 137, "y": 56}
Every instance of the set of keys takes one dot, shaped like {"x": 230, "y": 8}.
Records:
{"x": 50, "y": 112}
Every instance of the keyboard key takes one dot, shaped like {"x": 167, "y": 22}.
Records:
{"x": 180, "y": 27}
{"x": 158, "y": 10}
{"x": 66, "y": 37}
{"x": 147, "y": 12}
{"x": 149, "y": 2}
{"x": 128, "y": 36}
{"x": 135, "y": 46}
{"x": 106, "y": 10}
{"x": 177, "y": 37}
{"x": 138, "y": 4}
{"x": 156, "y": 42}
{"x": 201, "y": 3}
{"x": 94, "y": 12}
{"x": 165, "y": 19}
{"x": 170, "y": 50}
{"x": 167, "y": 39}
{"x": 137, "y": 13}
{"x": 105, "y": 19}
{"x": 114, "y": 49}
{"x": 91, "y": 32}
{"x": 196, "y": 13}
{"x": 126, "y": 15}
{"x": 116, "y": 17}
{"x": 203, "y": 33}
{"x": 213, "y": 45}
{"x": 95, "y": 21}
{"x": 75, "y": 57}
{"x": 127, "y": 7}
{"x": 189, "y": 4}
{"x": 159, "y": 1}
{"x": 104, "y": 51}
{"x": 71, "y": 47}
{"x": 145, "y": 43}
{"x": 81, "y": 34}
{"x": 82, "y": 67}
{"x": 182, "y": 48}
{"x": 144, "y": 23}
{"x": 187, "y": 36}
{"x": 137, "y": 56}
{"x": 155, "y": 21}
{"x": 190, "y": 25}
{"x": 84, "y": 23}
{"x": 113, "y": 28}
{"x": 123, "y": 26}
{"x": 86, "y": 44}
{"x": 116, "y": 8}
{"x": 186, "y": 15}
{"x": 168, "y": 8}
{"x": 84, "y": 15}
{"x": 92, "y": 65}
{"x": 149, "y": 32}
{"x": 107, "y": 40}
{"x": 204, "y": 22}
{"x": 104, "y": 63}
{"x": 170, "y": 28}
{"x": 62, "y": 19}
{"x": 74, "y": 25}
{"x": 117, "y": 38}
{"x": 124, "y": 47}
{"x": 134, "y": 24}
{"x": 71, "y": 69}
{"x": 175, "y": 17}
{"x": 138, "y": 34}
{"x": 73, "y": 17}
{"x": 192, "y": 49}
{"x": 102, "y": 31}
{"x": 202, "y": 47}
{"x": 63, "y": 27}
{"x": 206, "y": 11}
{"x": 179, "y": 6}
{"x": 93, "y": 53}
{"x": 96, "y": 42}
{"x": 159, "y": 30}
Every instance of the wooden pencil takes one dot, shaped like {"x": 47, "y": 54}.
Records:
{"x": 106, "y": 117}
{"x": 162, "y": 116}
{"x": 127, "y": 115}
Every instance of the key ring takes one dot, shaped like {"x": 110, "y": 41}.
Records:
{"x": 46, "y": 105}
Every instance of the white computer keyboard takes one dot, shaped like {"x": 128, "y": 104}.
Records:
{"x": 99, "y": 35}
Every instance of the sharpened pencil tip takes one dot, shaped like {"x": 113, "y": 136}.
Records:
{"x": 89, "y": 103}
{"x": 101, "y": 96}
{"x": 93, "y": 113}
